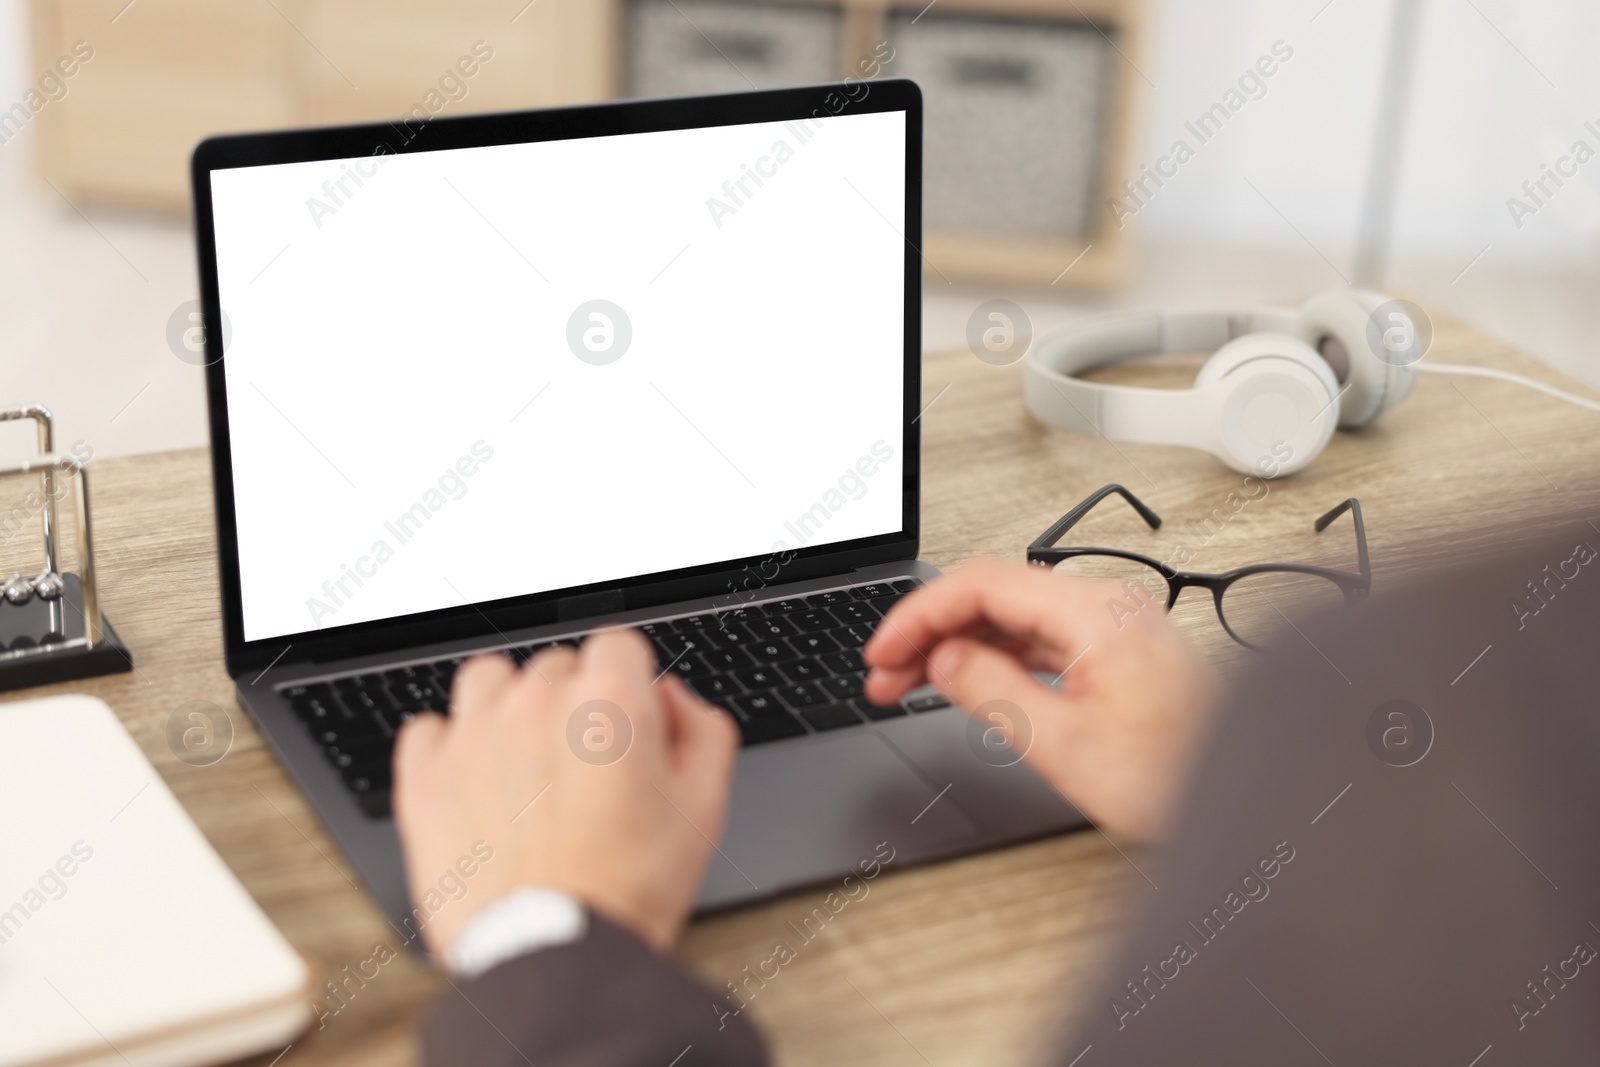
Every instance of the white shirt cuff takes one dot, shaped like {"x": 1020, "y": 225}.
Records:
{"x": 524, "y": 920}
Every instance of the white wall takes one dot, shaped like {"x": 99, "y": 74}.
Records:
{"x": 1483, "y": 119}
{"x": 1486, "y": 119}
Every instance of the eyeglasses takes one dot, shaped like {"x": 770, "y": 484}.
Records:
{"x": 1252, "y": 602}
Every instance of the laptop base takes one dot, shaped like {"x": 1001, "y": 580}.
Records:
{"x": 804, "y": 811}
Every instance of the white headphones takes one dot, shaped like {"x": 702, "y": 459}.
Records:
{"x": 1263, "y": 403}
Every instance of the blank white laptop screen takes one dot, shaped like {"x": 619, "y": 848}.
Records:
{"x": 458, "y": 376}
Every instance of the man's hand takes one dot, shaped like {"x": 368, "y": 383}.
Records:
{"x": 1117, "y": 738}
{"x": 616, "y": 802}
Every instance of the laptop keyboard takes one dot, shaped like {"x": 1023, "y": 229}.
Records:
{"x": 782, "y": 668}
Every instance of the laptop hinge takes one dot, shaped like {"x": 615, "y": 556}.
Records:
{"x": 605, "y": 602}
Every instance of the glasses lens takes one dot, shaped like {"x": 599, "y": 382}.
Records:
{"x": 1141, "y": 583}
{"x": 1256, "y": 607}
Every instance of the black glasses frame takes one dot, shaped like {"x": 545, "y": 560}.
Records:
{"x": 1354, "y": 585}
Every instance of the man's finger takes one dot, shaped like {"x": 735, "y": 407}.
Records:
{"x": 624, "y": 663}
{"x": 695, "y": 723}
{"x": 477, "y": 683}
{"x": 624, "y": 651}
{"x": 972, "y": 674}
{"x": 553, "y": 665}
{"x": 705, "y": 743}
{"x": 418, "y": 742}
{"x": 1026, "y": 603}
{"x": 619, "y": 665}
{"x": 887, "y": 685}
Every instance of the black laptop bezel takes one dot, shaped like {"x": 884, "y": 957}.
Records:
{"x": 732, "y": 579}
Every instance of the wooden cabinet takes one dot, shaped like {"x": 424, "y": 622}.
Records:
{"x": 166, "y": 73}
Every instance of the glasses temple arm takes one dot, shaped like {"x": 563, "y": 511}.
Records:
{"x": 1353, "y": 506}
{"x": 1070, "y": 519}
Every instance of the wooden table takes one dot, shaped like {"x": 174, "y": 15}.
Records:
{"x": 978, "y": 960}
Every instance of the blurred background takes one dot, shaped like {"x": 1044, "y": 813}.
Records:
{"x": 1436, "y": 148}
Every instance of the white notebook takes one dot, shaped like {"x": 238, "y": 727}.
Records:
{"x": 124, "y": 938}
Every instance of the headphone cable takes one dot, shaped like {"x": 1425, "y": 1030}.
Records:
{"x": 1515, "y": 379}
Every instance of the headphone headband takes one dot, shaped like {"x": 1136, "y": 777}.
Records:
{"x": 1117, "y": 338}
{"x": 1056, "y": 395}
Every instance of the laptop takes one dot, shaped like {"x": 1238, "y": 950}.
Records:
{"x": 491, "y": 383}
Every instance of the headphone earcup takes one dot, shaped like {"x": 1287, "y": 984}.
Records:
{"x": 1275, "y": 413}
{"x": 1336, "y": 326}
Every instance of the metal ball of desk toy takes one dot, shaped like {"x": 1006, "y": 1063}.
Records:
{"x": 18, "y": 590}
{"x": 51, "y": 626}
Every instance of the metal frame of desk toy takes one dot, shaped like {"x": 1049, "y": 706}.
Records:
{"x": 97, "y": 650}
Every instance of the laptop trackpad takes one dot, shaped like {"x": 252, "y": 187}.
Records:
{"x": 810, "y": 810}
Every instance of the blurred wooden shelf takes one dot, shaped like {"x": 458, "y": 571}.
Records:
{"x": 167, "y": 73}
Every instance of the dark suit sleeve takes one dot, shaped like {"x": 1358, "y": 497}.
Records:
{"x": 605, "y": 1000}
{"x": 1389, "y": 854}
